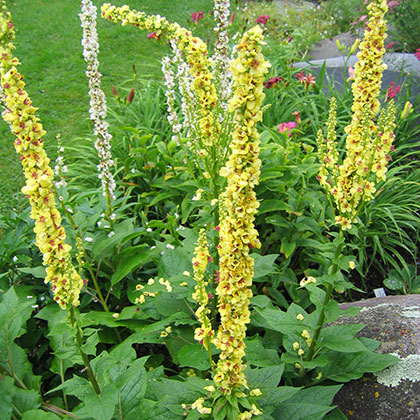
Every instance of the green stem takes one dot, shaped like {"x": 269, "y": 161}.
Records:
{"x": 66, "y": 406}
{"x": 320, "y": 323}
{"x": 85, "y": 358}
{"x": 85, "y": 256}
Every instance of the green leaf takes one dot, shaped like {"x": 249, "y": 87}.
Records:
{"x": 131, "y": 386}
{"x": 127, "y": 265}
{"x": 195, "y": 356}
{"x": 99, "y": 407}
{"x": 257, "y": 355}
{"x": 26, "y": 399}
{"x": 37, "y": 272}
{"x": 308, "y": 404}
{"x": 394, "y": 283}
{"x": 274, "y": 205}
{"x": 173, "y": 262}
{"x": 336, "y": 414}
{"x": 264, "y": 265}
{"x": 7, "y": 391}
{"x": 287, "y": 247}
{"x": 280, "y": 321}
{"x": 337, "y": 343}
{"x": 344, "y": 367}
{"x": 39, "y": 415}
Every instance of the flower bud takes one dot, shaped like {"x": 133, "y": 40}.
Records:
{"x": 408, "y": 109}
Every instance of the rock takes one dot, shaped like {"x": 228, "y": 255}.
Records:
{"x": 394, "y": 393}
{"x": 328, "y": 47}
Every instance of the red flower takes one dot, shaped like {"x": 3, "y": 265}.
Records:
{"x": 262, "y": 19}
{"x": 300, "y": 76}
{"x": 196, "y": 16}
{"x": 391, "y": 44}
{"x": 272, "y": 82}
{"x": 417, "y": 54}
{"x": 392, "y": 91}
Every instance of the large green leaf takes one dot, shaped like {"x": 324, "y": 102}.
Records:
{"x": 131, "y": 385}
{"x": 257, "y": 355}
{"x": 26, "y": 399}
{"x": 308, "y": 404}
{"x": 264, "y": 265}
{"x": 173, "y": 262}
{"x": 99, "y": 407}
{"x": 14, "y": 312}
{"x": 195, "y": 356}
{"x": 128, "y": 264}
{"x": 344, "y": 367}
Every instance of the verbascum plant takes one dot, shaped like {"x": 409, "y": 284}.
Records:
{"x": 368, "y": 142}
{"x": 98, "y": 108}
{"x": 19, "y": 113}
{"x": 238, "y": 235}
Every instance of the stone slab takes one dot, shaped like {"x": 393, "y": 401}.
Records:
{"x": 394, "y": 393}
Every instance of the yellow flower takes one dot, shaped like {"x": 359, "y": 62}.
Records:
{"x": 255, "y": 392}
{"x": 19, "y": 113}
{"x": 352, "y": 265}
{"x": 300, "y": 317}
{"x": 306, "y": 334}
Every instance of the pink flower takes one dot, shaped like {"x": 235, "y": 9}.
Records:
{"x": 287, "y": 127}
{"x": 262, "y": 19}
{"x": 351, "y": 74}
{"x": 392, "y": 5}
{"x": 391, "y": 44}
{"x": 196, "y": 16}
{"x": 232, "y": 17}
{"x": 392, "y": 91}
{"x": 417, "y": 54}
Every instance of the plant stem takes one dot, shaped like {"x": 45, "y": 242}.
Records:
{"x": 320, "y": 323}
{"x": 79, "y": 342}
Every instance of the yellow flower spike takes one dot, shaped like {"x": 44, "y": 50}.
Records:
{"x": 204, "y": 333}
{"x": 368, "y": 143}
{"x": 238, "y": 205}
{"x": 39, "y": 188}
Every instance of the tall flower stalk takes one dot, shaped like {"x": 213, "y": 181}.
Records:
{"x": 238, "y": 235}
{"x": 19, "y": 113}
{"x": 98, "y": 109}
{"x": 368, "y": 142}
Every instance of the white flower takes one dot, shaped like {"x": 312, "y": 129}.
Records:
{"x": 169, "y": 246}
{"x": 88, "y": 239}
{"x": 15, "y": 258}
